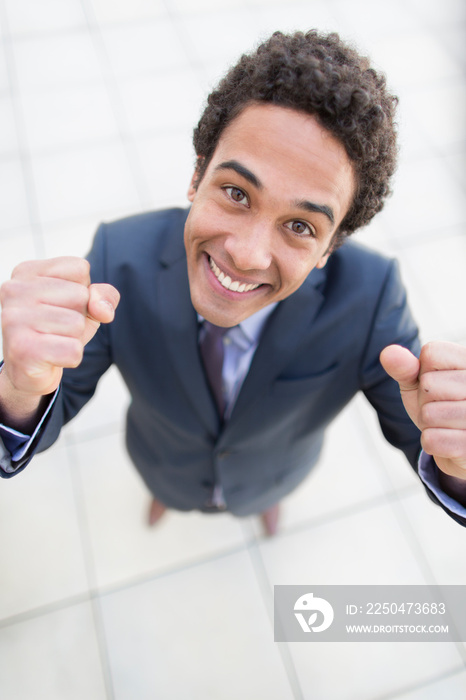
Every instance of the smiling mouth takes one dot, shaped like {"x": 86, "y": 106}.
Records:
{"x": 228, "y": 283}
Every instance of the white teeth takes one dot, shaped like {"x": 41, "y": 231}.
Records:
{"x": 228, "y": 283}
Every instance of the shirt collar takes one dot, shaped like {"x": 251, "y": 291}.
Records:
{"x": 252, "y": 326}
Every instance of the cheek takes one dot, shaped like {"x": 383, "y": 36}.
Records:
{"x": 295, "y": 269}
{"x": 201, "y": 223}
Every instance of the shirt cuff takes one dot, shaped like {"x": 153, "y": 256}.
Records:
{"x": 428, "y": 471}
{"x": 15, "y": 445}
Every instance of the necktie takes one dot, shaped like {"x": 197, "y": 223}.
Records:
{"x": 212, "y": 353}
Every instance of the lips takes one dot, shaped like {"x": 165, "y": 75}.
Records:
{"x": 228, "y": 283}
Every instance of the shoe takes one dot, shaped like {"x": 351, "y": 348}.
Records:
{"x": 270, "y": 518}
{"x": 156, "y": 511}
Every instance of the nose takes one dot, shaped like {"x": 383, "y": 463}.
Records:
{"x": 251, "y": 248}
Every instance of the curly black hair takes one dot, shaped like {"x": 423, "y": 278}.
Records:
{"x": 321, "y": 75}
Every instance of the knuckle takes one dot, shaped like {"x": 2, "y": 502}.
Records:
{"x": 79, "y": 325}
{"x": 9, "y": 319}
{"x": 447, "y": 443}
{"x": 71, "y": 352}
{"x": 21, "y": 269}
{"x": 427, "y": 352}
{"x": 81, "y": 297}
{"x": 20, "y": 348}
{"x": 425, "y": 383}
{"x": 3, "y": 292}
{"x": 427, "y": 414}
{"x": 6, "y": 291}
{"x": 7, "y": 313}
{"x": 428, "y": 442}
{"x": 83, "y": 269}
{"x": 27, "y": 269}
{"x": 75, "y": 353}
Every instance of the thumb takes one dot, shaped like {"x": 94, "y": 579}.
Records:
{"x": 103, "y": 300}
{"x": 401, "y": 365}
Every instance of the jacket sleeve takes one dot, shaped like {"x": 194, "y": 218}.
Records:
{"x": 78, "y": 385}
{"x": 393, "y": 324}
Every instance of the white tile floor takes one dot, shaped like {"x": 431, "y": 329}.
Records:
{"x": 97, "y": 101}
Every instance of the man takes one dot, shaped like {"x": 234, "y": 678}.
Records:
{"x": 243, "y": 326}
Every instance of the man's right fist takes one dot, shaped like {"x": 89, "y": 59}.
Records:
{"x": 50, "y": 310}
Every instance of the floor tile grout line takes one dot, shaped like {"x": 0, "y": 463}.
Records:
{"x": 90, "y": 569}
{"x": 129, "y": 139}
{"x": 368, "y": 430}
{"x": 360, "y": 507}
{"x": 68, "y": 149}
{"x": 151, "y": 576}
{"x": 421, "y": 558}
{"x": 113, "y": 93}
{"x": 424, "y": 685}
{"x": 23, "y": 150}
{"x": 265, "y": 587}
{"x": 81, "y": 27}
{"x": 435, "y": 151}
{"x": 50, "y": 33}
{"x": 415, "y": 488}
{"x": 196, "y": 64}
{"x": 73, "y": 219}
{"x": 46, "y": 609}
{"x": 95, "y": 590}
{"x": 104, "y": 654}
{"x": 409, "y": 534}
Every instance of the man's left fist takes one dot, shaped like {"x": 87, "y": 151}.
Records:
{"x": 433, "y": 390}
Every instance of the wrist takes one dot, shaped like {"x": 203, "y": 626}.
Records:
{"x": 18, "y": 409}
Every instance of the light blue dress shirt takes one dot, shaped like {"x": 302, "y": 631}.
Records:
{"x": 239, "y": 346}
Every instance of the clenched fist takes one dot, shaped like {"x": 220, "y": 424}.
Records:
{"x": 433, "y": 390}
{"x": 50, "y": 310}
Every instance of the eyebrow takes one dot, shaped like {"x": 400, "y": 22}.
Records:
{"x": 241, "y": 170}
{"x": 317, "y": 208}
{"x": 254, "y": 180}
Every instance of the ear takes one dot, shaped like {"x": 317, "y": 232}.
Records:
{"x": 193, "y": 185}
{"x": 331, "y": 247}
{"x": 323, "y": 261}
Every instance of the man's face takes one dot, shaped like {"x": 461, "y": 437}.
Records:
{"x": 265, "y": 212}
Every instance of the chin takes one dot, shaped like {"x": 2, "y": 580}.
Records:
{"x": 221, "y": 319}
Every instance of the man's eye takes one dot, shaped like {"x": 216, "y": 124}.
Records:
{"x": 236, "y": 194}
{"x": 300, "y": 228}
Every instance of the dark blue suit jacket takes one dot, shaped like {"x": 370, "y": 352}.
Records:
{"x": 319, "y": 347}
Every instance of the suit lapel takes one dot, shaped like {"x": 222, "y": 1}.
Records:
{"x": 180, "y": 329}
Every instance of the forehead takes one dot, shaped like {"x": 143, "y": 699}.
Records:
{"x": 290, "y": 149}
